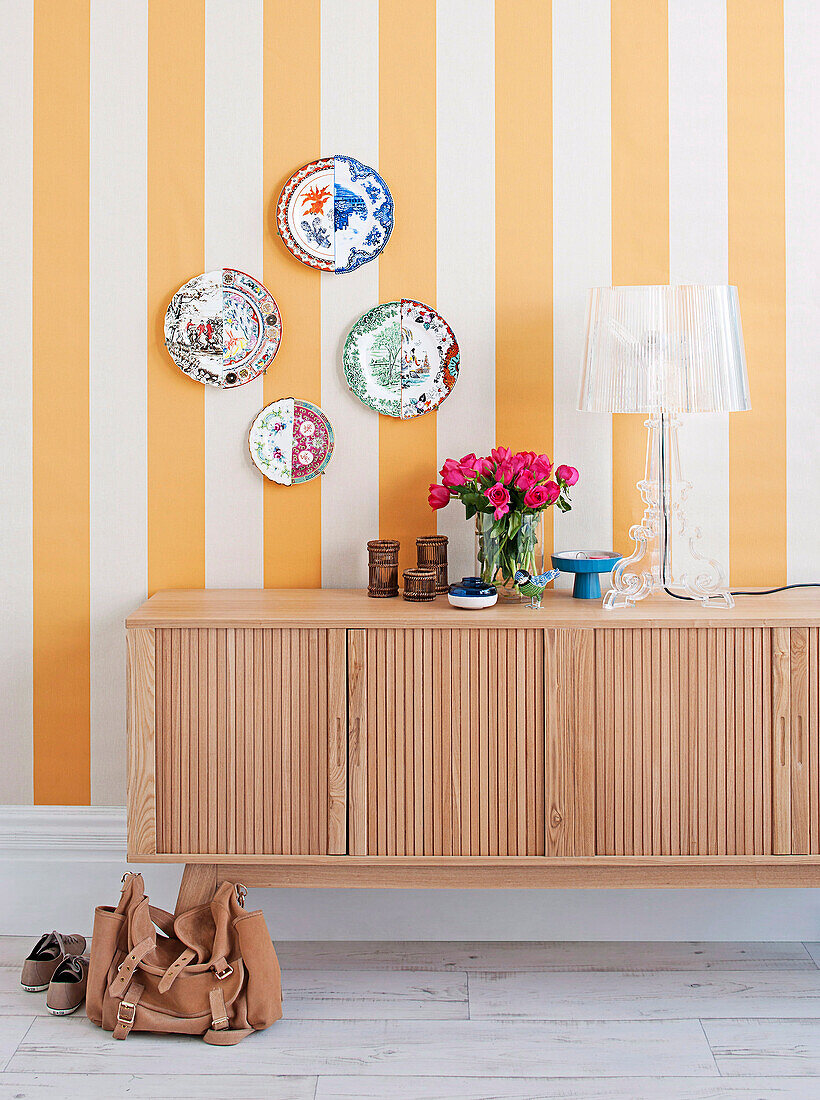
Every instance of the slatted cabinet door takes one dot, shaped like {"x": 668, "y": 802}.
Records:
{"x": 446, "y": 742}
{"x": 250, "y": 737}
{"x": 706, "y": 741}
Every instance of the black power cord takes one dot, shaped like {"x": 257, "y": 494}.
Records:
{"x": 761, "y": 592}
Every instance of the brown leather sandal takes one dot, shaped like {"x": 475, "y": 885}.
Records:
{"x": 46, "y": 956}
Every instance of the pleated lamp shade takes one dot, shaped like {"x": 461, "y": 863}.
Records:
{"x": 672, "y": 348}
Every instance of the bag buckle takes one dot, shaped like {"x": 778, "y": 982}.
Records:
{"x": 220, "y": 1023}
{"x": 225, "y": 972}
{"x": 126, "y": 1011}
{"x": 241, "y": 893}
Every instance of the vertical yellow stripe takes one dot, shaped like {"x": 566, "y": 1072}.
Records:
{"x": 757, "y": 264}
{"x": 176, "y": 253}
{"x": 291, "y": 116}
{"x": 523, "y": 229}
{"x": 640, "y": 204}
{"x": 407, "y": 267}
{"x": 62, "y": 764}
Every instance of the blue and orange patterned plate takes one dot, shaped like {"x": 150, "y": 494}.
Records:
{"x": 335, "y": 214}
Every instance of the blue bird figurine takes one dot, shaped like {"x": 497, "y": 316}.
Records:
{"x": 534, "y": 586}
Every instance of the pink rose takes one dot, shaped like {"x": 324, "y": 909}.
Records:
{"x": 500, "y": 454}
{"x": 567, "y": 474}
{"x": 536, "y": 497}
{"x": 525, "y": 480}
{"x": 541, "y": 467}
{"x": 505, "y": 473}
{"x": 451, "y": 474}
{"x": 483, "y": 466}
{"x": 498, "y": 495}
{"x": 539, "y": 495}
{"x": 467, "y": 465}
{"x": 439, "y": 496}
{"x": 519, "y": 462}
{"x": 528, "y": 456}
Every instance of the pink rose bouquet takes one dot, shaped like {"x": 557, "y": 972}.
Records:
{"x": 511, "y": 490}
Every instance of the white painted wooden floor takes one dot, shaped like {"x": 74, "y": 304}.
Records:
{"x": 462, "y": 1021}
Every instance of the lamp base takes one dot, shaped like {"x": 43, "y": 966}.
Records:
{"x": 664, "y": 494}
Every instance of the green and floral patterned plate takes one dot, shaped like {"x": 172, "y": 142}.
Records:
{"x": 401, "y": 359}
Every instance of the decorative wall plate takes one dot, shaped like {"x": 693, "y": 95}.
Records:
{"x": 291, "y": 441}
{"x": 401, "y": 358}
{"x": 223, "y": 328}
{"x": 335, "y": 214}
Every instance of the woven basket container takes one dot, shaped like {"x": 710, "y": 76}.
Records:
{"x": 431, "y": 553}
{"x": 419, "y": 585}
{"x": 383, "y": 568}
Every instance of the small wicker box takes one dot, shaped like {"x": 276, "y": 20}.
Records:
{"x": 419, "y": 585}
{"x": 383, "y": 568}
{"x": 431, "y": 553}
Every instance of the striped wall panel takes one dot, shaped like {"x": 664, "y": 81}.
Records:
{"x": 539, "y": 149}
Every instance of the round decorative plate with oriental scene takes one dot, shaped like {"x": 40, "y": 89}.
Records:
{"x": 335, "y": 214}
{"x": 223, "y": 328}
{"x": 291, "y": 441}
{"x": 401, "y": 358}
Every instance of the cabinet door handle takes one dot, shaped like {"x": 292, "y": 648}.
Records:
{"x": 800, "y": 740}
{"x": 782, "y": 741}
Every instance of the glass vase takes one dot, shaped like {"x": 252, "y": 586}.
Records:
{"x": 506, "y": 545}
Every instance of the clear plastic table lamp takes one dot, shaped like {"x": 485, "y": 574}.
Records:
{"x": 664, "y": 351}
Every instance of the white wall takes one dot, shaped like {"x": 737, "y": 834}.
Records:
{"x": 56, "y": 863}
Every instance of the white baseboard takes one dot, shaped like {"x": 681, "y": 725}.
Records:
{"x": 58, "y": 862}
{"x": 84, "y": 833}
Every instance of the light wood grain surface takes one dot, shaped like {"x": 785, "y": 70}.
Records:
{"x": 462, "y": 1021}
{"x": 352, "y": 608}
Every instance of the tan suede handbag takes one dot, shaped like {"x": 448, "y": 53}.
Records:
{"x": 212, "y": 972}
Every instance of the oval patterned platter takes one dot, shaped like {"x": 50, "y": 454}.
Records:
{"x": 401, "y": 358}
{"x": 223, "y": 328}
{"x": 335, "y": 214}
{"x": 291, "y": 441}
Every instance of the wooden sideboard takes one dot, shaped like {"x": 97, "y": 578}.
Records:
{"x": 321, "y": 738}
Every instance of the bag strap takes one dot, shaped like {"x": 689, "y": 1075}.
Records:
{"x": 220, "y": 1033}
{"x": 175, "y": 969}
{"x": 126, "y": 1013}
{"x": 228, "y": 1037}
{"x": 125, "y": 971}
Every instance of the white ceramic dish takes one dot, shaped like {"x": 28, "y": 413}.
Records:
{"x": 472, "y": 603}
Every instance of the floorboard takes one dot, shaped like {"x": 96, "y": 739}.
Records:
{"x": 375, "y": 995}
{"x": 363, "y": 955}
{"x": 391, "y": 1047}
{"x": 645, "y": 995}
{"x": 160, "y": 1086}
{"x": 534, "y": 1088}
{"x": 766, "y": 1048}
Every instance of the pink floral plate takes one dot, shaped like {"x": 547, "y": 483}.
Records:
{"x": 291, "y": 441}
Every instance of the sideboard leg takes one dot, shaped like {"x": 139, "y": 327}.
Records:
{"x": 197, "y": 886}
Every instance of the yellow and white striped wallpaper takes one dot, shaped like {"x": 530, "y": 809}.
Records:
{"x": 533, "y": 149}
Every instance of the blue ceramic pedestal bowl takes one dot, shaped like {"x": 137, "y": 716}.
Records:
{"x": 586, "y": 565}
